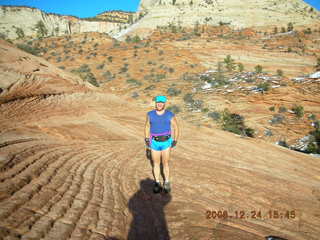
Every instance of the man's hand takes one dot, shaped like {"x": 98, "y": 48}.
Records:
{"x": 174, "y": 143}
{"x": 147, "y": 141}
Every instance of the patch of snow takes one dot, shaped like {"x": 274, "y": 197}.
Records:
{"x": 206, "y": 85}
{"x": 298, "y": 79}
{"x": 315, "y": 75}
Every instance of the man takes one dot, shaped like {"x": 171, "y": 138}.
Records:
{"x": 158, "y": 137}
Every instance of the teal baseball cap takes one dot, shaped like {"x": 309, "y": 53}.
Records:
{"x": 161, "y": 99}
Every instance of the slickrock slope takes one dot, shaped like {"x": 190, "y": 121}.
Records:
{"x": 73, "y": 166}
{"x": 236, "y": 13}
{"x": 24, "y": 75}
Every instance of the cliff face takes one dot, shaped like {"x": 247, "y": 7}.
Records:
{"x": 13, "y": 18}
{"x": 238, "y": 13}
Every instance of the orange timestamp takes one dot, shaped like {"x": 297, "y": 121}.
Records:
{"x": 254, "y": 214}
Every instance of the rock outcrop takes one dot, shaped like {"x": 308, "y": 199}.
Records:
{"x": 26, "y": 18}
{"x": 236, "y": 13}
{"x": 117, "y": 16}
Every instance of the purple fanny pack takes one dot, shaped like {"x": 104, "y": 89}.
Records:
{"x": 158, "y": 134}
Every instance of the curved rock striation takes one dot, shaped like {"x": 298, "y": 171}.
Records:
{"x": 73, "y": 166}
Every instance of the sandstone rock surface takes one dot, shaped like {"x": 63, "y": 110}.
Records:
{"x": 73, "y": 166}
{"x": 236, "y": 13}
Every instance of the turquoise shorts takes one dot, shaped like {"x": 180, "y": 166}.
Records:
{"x": 159, "y": 146}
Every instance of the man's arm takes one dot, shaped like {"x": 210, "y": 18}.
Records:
{"x": 176, "y": 128}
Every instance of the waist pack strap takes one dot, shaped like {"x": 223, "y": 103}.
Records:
{"x": 158, "y": 134}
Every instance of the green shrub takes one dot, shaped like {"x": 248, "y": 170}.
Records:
{"x": 272, "y": 108}
{"x": 135, "y": 95}
{"x": 219, "y": 78}
{"x": 298, "y": 111}
{"x": 240, "y": 67}
{"x": 136, "y": 39}
{"x": 41, "y": 29}
{"x": 134, "y": 82}
{"x": 160, "y": 76}
{"x": 128, "y": 39}
{"x": 173, "y": 92}
{"x": 230, "y": 64}
{"x": 276, "y": 119}
{"x": 84, "y": 68}
{"x": 171, "y": 70}
{"x": 279, "y": 72}
{"x": 265, "y": 86}
{"x": 20, "y": 32}
{"x": 258, "y": 69}
{"x": 249, "y": 132}
{"x": 282, "y": 109}
{"x": 85, "y": 73}
{"x": 233, "y": 122}
{"x": 3, "y": 36}
{"x": 214, "y": 115}
{"x": 29, "y": 49}
{"x": 91, "y": 79}
{"x": 100, "y": 66}
{"x": 107, "y": 76}
{"x": 312, "y": 117}
{"x": 268, "y": 133}
{"x": 188, "y": 98}
{"x": 205, "y": 110}
{"x": 110, "y": 58}
{"x": 189, "y": 77}
{"x": 196, "y": 105}
{"x": 124, "y": 68}
{"x": 318, "y": 64}
{"x": 307, "y": 31}
{"x": 174, "y": 108}
{"x": 275, "y": 30}
{"x": 151, "y": 87}
{"x": 116, "y": 44}
{"x": 283, "y": 143}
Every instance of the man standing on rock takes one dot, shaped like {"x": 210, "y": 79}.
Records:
{"x": 158, "y": 137}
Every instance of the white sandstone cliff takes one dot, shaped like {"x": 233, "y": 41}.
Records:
{"x": 26, "y": 19}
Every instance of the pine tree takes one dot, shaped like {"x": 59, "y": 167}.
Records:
{"x": 290, "y": 26}
{"x": 41, "y": 29}
{"x": 230, "y": 64}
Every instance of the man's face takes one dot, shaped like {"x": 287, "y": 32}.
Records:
{"x": 160, "y": 106}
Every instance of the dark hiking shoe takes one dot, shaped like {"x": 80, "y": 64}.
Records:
{"x": 156, "y": 187}
{"x": 166, "y": 187}
{"x": 274, "y": 238}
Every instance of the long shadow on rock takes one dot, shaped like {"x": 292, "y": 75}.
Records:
{"x": 147, "y": 209}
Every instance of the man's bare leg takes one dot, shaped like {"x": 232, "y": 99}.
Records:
{"x": 165, "y": 162}
{"x": 156, "y": 157}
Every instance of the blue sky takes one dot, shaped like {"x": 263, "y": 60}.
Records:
{"x": 85, "y": 8}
